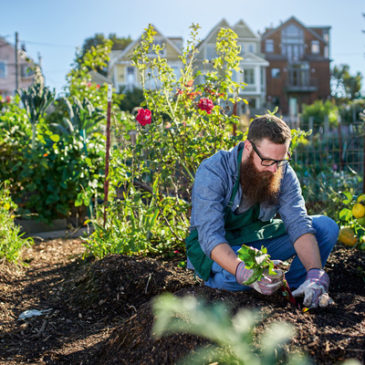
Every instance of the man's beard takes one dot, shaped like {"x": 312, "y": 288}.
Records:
{"x": 259, "y": 186}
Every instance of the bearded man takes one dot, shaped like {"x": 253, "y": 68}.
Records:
{"x": 236, "y": 199}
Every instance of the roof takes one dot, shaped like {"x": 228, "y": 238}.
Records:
{"x": 124, "y": 52}
{"x": 270, "y": 31}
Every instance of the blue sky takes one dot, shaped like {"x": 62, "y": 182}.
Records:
{"x": 55, "y": 28}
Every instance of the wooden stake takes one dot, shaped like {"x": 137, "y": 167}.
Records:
{"x": 107, "y": 152}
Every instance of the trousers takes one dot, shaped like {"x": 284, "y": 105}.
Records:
{"x": 281, "y": 248}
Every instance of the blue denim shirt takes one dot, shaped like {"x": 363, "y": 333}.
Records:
{"x": 213, "y": 185}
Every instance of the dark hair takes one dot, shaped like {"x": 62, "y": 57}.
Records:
{"x": 270, "y": 127}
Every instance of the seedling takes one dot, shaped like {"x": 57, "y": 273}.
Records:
{"x": 259, "y": 261}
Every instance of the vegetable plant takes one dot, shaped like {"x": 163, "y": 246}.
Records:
{"x": 11, "y": 240}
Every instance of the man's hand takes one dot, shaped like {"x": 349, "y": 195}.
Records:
{"x": 268, "y": 283}
{"x": 315, "y": 289}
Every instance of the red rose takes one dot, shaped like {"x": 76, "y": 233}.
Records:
{"x": 143, "y": 117}
{"x": 206, "y": 104}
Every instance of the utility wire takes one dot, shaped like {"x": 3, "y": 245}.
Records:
{"x": 49, "y": 44}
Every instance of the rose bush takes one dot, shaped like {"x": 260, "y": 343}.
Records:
{"x": 183, "y": 121}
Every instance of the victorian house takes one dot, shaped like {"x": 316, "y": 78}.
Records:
{"x": 125, "y": 76}
{"x": 252, "y": 66}
{"x": 299, "y": 65}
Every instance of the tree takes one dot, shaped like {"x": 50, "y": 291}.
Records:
{"x": 118, "y": 43}
{"x": 345, "y": 85}
{"x": 98, "y": 39}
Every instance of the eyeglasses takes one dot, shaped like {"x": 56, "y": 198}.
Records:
{"x": 268, "y": 161}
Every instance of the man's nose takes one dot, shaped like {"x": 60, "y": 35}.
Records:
{"x": 273, "y": 168}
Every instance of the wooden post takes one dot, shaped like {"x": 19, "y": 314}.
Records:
{"x": 106, "y": 181}
{"x": 234, "y": 131}
{"x": 340, "y": 143}
{"x": 363, "y": 168}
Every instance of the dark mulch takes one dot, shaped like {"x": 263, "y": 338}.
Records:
{"x": 101, "y": 310}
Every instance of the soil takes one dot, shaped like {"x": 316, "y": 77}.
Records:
{"x": 99, "y": 312}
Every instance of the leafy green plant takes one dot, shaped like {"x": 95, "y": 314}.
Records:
{"x": 11, "y": 241}
{"x": 36, "y": 100}
{"x": 233, "y": 340}
{"x": 139, "y": 222}
{"x": 256, "y": 260}
{"x": 351, "y": 218}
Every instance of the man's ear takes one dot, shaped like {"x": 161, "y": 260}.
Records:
{"x": 248, "y": 145}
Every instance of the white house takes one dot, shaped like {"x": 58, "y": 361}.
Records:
{"x": 252, "y": 65}
{"x": 124, "y": 75}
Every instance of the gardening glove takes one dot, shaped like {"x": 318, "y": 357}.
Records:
{"x": 267, "y": 285}
{"x": 315, "y": 289}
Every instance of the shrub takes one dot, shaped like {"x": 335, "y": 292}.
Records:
{"x": 11, "y": 241}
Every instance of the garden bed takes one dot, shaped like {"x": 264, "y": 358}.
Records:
{"x": 100, "y": 310}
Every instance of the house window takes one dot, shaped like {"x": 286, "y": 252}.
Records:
{"x": 275, "y": 73}
{"x": 236, "y": 76}
{"x": 131, "y": 75}
{"x": 292, "y": 39}
{"x": 26, "y": 71}
{"x": 252, "y": 48}
{"x": 315, "y": 47}
{"x": 269, "y": 45}
{"x": 211, "y": 52}
{"x": 2, "y": 70}
{"x": 249, "y": 76}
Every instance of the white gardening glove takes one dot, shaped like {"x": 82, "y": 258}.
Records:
{"x": 268, "y": 283}
{"x": 315, "y": 289}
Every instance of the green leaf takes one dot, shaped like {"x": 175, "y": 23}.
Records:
{"x": 345, "y": 214}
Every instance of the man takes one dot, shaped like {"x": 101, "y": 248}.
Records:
{"x": 235, "y": 198}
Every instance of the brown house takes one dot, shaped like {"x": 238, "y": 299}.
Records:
{"x": 299, "y": 65}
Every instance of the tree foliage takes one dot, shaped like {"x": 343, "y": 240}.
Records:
{"x": 345, "y": 85}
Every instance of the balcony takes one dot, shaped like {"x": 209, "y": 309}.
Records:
{"x": 299, "y": 80}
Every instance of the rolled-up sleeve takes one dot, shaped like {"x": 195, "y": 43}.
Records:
{"x": 292, "y": 207}
{"x": 208, "y": 201}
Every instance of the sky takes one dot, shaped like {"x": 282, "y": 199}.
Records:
{"x": 55, "y": 29}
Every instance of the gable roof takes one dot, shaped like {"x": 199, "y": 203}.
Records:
{"x": 125, "y": 51}
{"x": 271, "y": 31}
{"x": 244, "y": 31}
{"x": 254, "y": 58}
{"x": 222, "y": 24}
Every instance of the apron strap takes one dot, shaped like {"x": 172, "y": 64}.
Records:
{"x": 235, "y": 187}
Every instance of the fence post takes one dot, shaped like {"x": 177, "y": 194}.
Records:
{"x": 339, "y": 131}
{"x": 363, "y": 167}
{"x": 106, "y": 181}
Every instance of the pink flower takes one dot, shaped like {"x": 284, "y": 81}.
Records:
{"x": 143, "y": 117}
{"x": 206, "y": 104}
{"x": 97, "y": 86}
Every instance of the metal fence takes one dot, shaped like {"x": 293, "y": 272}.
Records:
{"x": 332, "y": 152}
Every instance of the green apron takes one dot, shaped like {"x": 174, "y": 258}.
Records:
{"x": 239, "y": 229}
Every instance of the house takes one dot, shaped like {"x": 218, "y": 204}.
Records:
{"x": 299, "y": 65}
{"x": 28, "y": 70}
{"x": 252, "y": 65}
{"x": 124, "y": 75}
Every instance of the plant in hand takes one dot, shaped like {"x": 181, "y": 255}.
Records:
{"x": 259, "y": 262}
